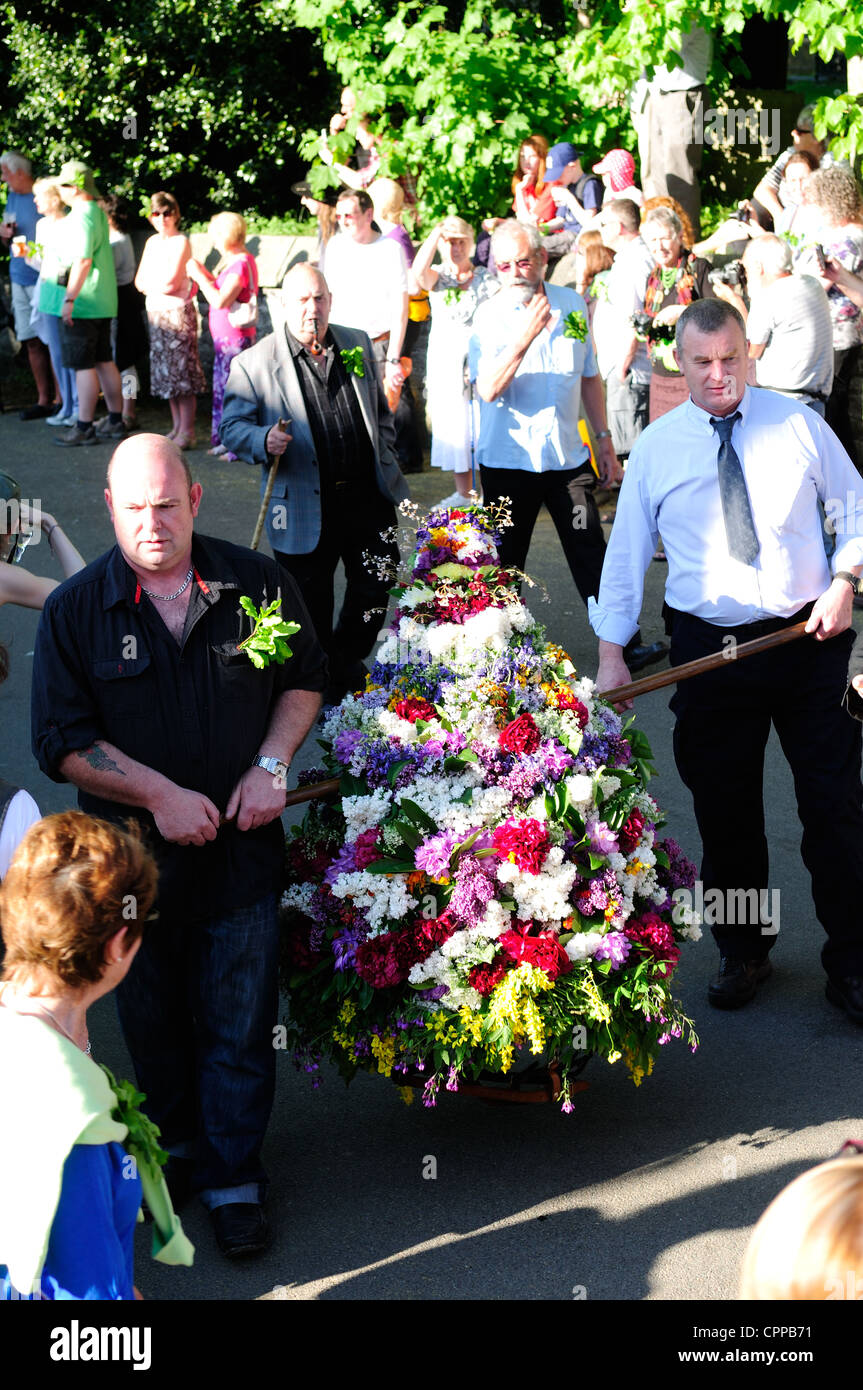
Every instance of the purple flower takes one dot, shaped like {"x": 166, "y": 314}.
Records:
{"x": 345, "y": 947}
{"x": 557, "y": 759}
{"x": 474, "y": 890}
{"x": 431, "y": 748}
{"x": 602, "y": 840}
{"x": 597, "y": 894}
{"x": 452, "y": 1080}
{"x": 522, "y": 780}
{"x": 344, "y": 863}
{"x": 433, "y": 855}
{"x": 614, "y": 947}
{"x": 346, "y": 743}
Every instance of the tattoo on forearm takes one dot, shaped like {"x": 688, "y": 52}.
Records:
{"x": 99, "y": 759}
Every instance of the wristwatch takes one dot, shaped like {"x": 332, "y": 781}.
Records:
{"x": 850, "y": 578}
{"x": 273, "y": 765}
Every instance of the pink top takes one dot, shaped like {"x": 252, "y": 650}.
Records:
{"x": 221, "y": 328}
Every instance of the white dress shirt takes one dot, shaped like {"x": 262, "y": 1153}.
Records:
{"x": 791, "y": 459}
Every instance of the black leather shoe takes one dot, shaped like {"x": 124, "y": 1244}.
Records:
{"x": 37, "y": 412}
{"x": 637, "y": 658}
{"x": 848, "y": 994}
{"x": 737, "y": 981}
{"x": 241, "y": 1229}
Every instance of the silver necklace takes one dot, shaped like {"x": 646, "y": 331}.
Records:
{"x": 43, "y": 1008}
{"x": 166, "y": 598}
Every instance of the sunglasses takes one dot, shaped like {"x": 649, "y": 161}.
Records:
{"x": 506, "y": 266}
{"x": 160, "y": 214}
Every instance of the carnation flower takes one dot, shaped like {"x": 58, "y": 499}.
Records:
{"x": 520, "y": 736}
{"x": 525, "y": 843}
{"x": 631, "y": 831}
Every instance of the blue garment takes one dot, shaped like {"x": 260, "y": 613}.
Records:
{"x": 65, "y": 375}
{"x": 533, "y": 424}
{"x": 198, "y": 1009}
{"x": 90, "y": 1252}
{"x": 22, "y": 207}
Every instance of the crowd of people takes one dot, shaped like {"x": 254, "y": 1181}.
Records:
{"x": 588, "y": 331}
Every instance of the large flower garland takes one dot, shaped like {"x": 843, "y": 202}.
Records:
{"x": 491, "y": 880}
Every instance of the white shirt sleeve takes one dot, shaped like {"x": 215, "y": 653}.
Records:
{"x": 634, "y": 537}
{"x": 22, "y": 813}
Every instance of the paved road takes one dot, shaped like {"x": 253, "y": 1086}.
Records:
{"x": 645, "y": 1193}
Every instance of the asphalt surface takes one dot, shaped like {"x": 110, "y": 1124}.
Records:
{"x": 640, "y": 1194}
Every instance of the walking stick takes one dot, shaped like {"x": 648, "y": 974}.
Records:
{"x": 268, "y": 490}
{"x": 321, "y": 791}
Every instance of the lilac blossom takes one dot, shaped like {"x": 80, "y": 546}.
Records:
{"x": 556, "y": 758}
{"x": 433, "y": 855}
{"x": 345, "y": 744}
{"x": 474, "y": 890}
{"x": 614, "y": 947}
{"x": 601, "y": 839}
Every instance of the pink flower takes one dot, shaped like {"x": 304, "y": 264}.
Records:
{"x": 525, "y": 843}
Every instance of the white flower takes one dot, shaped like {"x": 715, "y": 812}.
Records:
{"x": 583, "y": 945}
{"x": 299, "y": 895}
{"x": 395, "y": 727}
{"x": 608, "y": 786}
{"x": 364, "y": 812}
{"x": 380, "y": 897}
{"x": 580, "y": 788}
{"x": 495, "y": 921}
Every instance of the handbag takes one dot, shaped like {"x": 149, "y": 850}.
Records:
{"x": 244, "y": 313}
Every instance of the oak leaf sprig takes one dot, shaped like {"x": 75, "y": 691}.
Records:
{"x": 268, "y": 639}
{"x": 575, "y": 325}
{"x": 353, "y": 360}
{"x": 143, "y": 1137}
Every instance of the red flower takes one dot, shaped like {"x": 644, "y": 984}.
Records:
{"x": 367, "y": 849}
{"x": 629, "y": 836}
{"x": 524, "y": 842}
{"x": 543, "y": 951}
{"x": 520, "y": 736}
{"x": 484, "y": 978}
{"x": 650, "y": 931}
{"x": 414, "y": 708}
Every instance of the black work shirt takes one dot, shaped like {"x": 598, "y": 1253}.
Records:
{"x": 342, "y": 443}
{"x": 106, "y": 667}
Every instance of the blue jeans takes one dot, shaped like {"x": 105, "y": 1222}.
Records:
{"x": 65, "y": 376}
{"x": 197, "y": 1010}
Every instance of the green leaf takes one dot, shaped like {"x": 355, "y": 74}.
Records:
{"x": 417, "y": 815}
{"x": 390, "y": 866}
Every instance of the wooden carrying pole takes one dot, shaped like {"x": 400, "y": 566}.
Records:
{"x": 268, "y": 491}
{"x": 714, "y": 662}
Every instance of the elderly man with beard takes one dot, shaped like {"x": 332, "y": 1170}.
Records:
{"x": 533, "y": 362}
{"x": 338, "y": 474}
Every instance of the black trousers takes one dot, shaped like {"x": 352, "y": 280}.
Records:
{"x": 723, "y": 723}
{"x": 569, "y": 497}
{"x": 353, "y": 516}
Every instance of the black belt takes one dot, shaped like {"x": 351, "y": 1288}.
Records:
{"x": 747, "y": 631}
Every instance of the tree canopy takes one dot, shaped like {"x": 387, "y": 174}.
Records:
{"x": 223, "y": 101}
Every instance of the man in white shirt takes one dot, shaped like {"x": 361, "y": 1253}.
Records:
{"x": 732, "y": 480}
{"x": 368, "y": 279}
{"x": 532, "y": 358}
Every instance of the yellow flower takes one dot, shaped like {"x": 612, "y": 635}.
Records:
{"x": 384, "y": 1050}
{"x": 407, "y": 1094}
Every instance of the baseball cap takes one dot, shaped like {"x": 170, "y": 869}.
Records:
{"x": 557, "y": 159}
{"x": 620, "y": 166}
{"x": 76, "y": 174}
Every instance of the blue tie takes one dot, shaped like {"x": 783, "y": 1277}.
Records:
{"x": 743, "y": 543}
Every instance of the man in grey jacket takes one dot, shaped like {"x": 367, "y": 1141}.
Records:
{"x": 338, "y": 476}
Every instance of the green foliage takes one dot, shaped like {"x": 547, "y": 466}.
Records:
{"x": 197, "y": 96}
{"x": 268, "y": 639}
{"x": 461, "y": 88}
